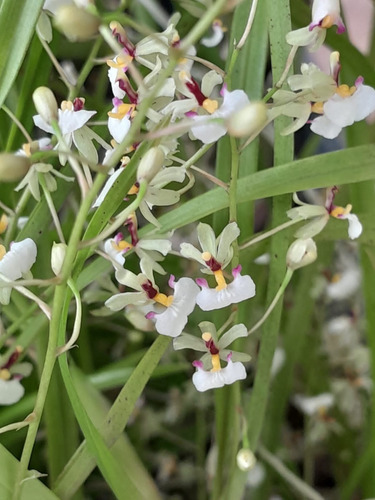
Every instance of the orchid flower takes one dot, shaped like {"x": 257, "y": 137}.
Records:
{"x": 11, "y": 373}
{"x": 325, "y": 13}
{"x": 320, "y": 214}
{"x": 71, "y": 121}
{"x": 210, "y": 374}
{"x": 213, "y": 124}
{"x": 170, "y": 312}
{"x": 216, "y": 255}
{"x": 149, "y": 249}
{"x": 16, "y": 263}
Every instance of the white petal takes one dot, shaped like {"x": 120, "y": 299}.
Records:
{"x": 325, "y": 127}
{"x": 207, "y": 131}
{"x": 204, "y": 381}
{"x": 69, "y": 120}
{"x": 233, "y": 102}
{"x": 116, "y": 90}
{"x": 116, "y": 255}
{"x": 344, "y": 111}
{"x": 241, "y": 288}
{"x": 173, "y": 320}
{"x": 11, "y": 391}
{"x": 303, "y": 37}
{"x": 323, "y": 8}
{"x": 109, "y": 183}
{"x": 224, "y": 243}
{"x": 233, "y": 372}
{"x": 160, "y": 245}
{"x": 19, "y": 259}
{"x": 355, "y": 227}
{"x": 43, "y": 125}
{"x": 215, "y": 38}
{"x": 119, "y": 128}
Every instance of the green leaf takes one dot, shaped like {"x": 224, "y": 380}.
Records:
{"x": 17, "y": 23}
{"x": 32, "y": 489}
{"x": 341, "y": 167}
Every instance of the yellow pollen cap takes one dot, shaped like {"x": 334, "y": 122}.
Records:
{"x": 210, "y": 105}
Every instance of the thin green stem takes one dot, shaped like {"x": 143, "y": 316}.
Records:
{"x": 52, "y": 208}
{"x": 271, "y": 307}
{"x": 13, "y": 117}
{"x": 269, "y": 233}
{"x": 85, "y": 71}
{"x": 302, "y": 488}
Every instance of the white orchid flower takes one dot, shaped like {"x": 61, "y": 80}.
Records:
{"x": 320, "y": 214}
{"x": 170, "y": 312}
{"x": 216, "y": 255}
{"x": 346, "y": 106}
{"x": 16, "y": 263}
{"x": 210, "y": 374}
{"x": 71, "y": 120}
{"x": 325, "y": 13}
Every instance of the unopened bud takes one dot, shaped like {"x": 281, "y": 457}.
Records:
{"x": 150, "y": 164}
{"x": 45, "y": 104}
{"x": 301, "y": 252}
{"x": 57, "y": 257}
{"x": 13, "y": 167}
{"x": 76, "y": 24}
{"x": 245, "y": 459}
{"x": 248, "y": 120}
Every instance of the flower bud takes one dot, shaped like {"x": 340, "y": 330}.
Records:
{"x": 76, "y": 24}
{"x": 45, "y": 104}
{"x": 245, "y": 459}
{"x": 248, "y": 120}
{"x": 57, "y": 257}
{"x": 301, "y": 252}
{"x": 150, "y": 164}
{"x": 13, "y": 167}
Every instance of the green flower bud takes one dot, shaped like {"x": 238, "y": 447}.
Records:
{"x": 76, "y": 24}
{"x": 13, "y": 167}
{"x": 150, "y": 164}
{"x": 57, "y": 257}
{"x": 249, "y": 120}
{"x": 45, "y": 104}
{"x": 301, "y": 252}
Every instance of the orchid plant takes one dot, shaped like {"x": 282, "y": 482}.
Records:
{"x": 167, "y": 168}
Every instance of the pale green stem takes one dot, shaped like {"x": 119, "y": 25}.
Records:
{"x": 32, "y": 282}
{"x": 210, "y": 177}
{"x": 39, "y": 302}
{"x": 57, "y": 310}
{"x": 288, "y": 65}
{"x": 269, "y": 233}
{"x": 281, "y": 290}
{"x": 21, "y": 205}
{"x": 13, "y": 117}
{"x": 85, "y": 71}
{"x": 120, "y": 219}
{"x": 77, "y": 320}
{"x": 6, "y": 209}
{"x": 248, "y": 27}
{"x": 52, "y": 208}
{"x": 233, "y": 195}
{"x": 56, "y": 63}
{"x": 14, "y": 427}
{"x": 302, "y": 488}
{"x": 72, "y": 161}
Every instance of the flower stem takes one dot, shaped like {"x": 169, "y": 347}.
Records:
{"x": 281, "y": 290}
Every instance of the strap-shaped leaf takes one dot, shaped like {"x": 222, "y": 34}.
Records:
{"x": 17, "y": 23}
